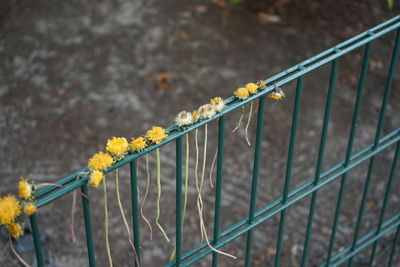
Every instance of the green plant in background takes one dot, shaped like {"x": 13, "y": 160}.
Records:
{"x": 233, "y": 2}
{"x": 390, "y": 3}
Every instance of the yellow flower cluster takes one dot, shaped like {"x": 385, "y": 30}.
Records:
{"x": 118, "y": 147}
{"x": 138, "y": 144}
{"x": 241, "y": 93}
{"x": 277, "y": 94}
{"x": 9, "y": 209}
{"x": 252, "y": 88}
{"x": 29, "y": 209}
{"x": 25, "y": 189}
{"x": 100, "y": 161}
{"x": 218, "y": 103}
{"x": 15, "y": 229}
{"x": 156, "y": 134}
{"x": 95, "y": 178}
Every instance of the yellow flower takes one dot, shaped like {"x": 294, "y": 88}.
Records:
{"x": 25, "y": 189}
{"x": 195, "y": 116}
{"x": 261, "y": 84}
{"x": 138, "y": 144}
{"x": 29, "y": 209}
{"x": 251, "y": 88}
{"x": 95, "y": 178}
{"x": 241, "y": 93}
{"x": 183, "y": 118}
{"x": 156, "y": 134}
{"x": 100, "y": 161}
{"x": 206, "y": 111}
{"x": 277, "y": 94}
{"x": 9, "y": 209}
{"x": 117, "y": 146}
{"x": 218, "y": 103}
{"x": 15, "y": 229}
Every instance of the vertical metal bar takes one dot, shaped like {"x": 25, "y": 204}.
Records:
{"x": 320, "y": 159}
{"x": 36, "y": 240}
{"x": 178, "y": 217}
{"x": 88, "y": 226}
{"x": 388, "y": 88}
{"x": 218, "y": 186}
{"x": 385, "y": 201}
{"x": 135, "y": 208}
{"x": 393, "y": 251}
{"x": 254, "y": 183}
{"x": 296, "y": 111}
{"x": 354, "y": 124}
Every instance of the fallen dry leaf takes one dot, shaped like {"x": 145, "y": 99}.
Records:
{"x": 376, "y": 64}
{"x": 265, "y": 18}
{"x": 162, "y": 80}
{"x": 182, "y": 34}
{"x": 370, "y": 203}
{"x": 201, "y": 9}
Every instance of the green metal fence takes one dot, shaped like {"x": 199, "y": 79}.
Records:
{"x": 289, "y": 197}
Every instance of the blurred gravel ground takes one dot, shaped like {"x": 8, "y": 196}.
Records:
{"x": 75, "y": 73}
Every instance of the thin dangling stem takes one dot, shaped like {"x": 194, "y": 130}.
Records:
{"x": 208, "y": 242}
{"x": 123, "y": 217}
{"x": 186, "y": 179}
{"x": 159, "y": 194}
{"x": 17, "y": 255}
{"x": 204, "y": 157}
{"x": 145, "y": 196}
{"x": 248, "y": 123}
{"x": 212, "y": 167}
{"x": 200, "y": 204}
{"x": 106, "y": 223}
{"x": 196, "y": 167}
{"x": 47, "y": 184}
{"x": 240, "y": 121}
{"x": 73, "y": 210}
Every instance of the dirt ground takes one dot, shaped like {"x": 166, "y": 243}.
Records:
{"x": 75, "y": 73}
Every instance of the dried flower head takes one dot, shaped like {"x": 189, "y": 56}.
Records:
{"x": 9, "y": 209}
{"x": 206, "y": 111}
{"x": 138, "y": 144}
{"x": 241, "y": 93}
{"x": 277, "y": 94}
{"x": 15, "y": 230}
{"x": 195, "y": 116}
{"x": 100, "y": 161}
{"x": 183, "y": 118}
{"x": 261, "y": 84}
{"x": 252, "y": 88}
{"x": 117, "y": 146}
{"x": 29, "y": 209}
{"x": 25, "y": 189}
{"x": 218, "y": 103}
{"x": 95, "y": 178}
{"x": 156, "y": 134}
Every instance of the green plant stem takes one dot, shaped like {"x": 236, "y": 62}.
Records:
{"x": 123, "y": 217}
{"x": 106, "y": 223}
{"x": 159, "y": 194}
{"x": 248, "y": 123}
{"x": 240, "y": 121}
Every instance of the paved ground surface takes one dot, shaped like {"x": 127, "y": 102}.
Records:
{"x": 74, "y": 74}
